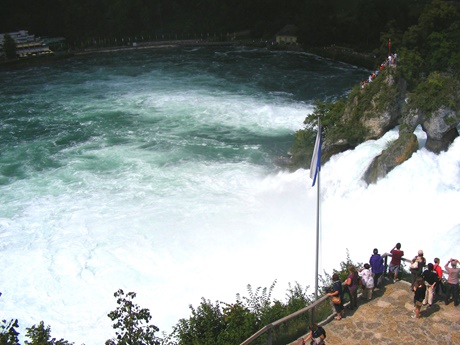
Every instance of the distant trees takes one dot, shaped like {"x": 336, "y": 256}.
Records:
{"x": 355, "y": 23}
{"x": 432, "y": 44}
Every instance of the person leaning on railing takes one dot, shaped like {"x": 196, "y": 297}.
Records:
{"x": 337, "y": 295}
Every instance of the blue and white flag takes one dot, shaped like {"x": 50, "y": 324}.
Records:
{"x": 315, "y": 166}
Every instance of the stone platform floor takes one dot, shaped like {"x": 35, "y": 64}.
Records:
{"x": 386, "y": 320}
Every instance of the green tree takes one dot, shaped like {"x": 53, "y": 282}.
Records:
{"x": 203, "y": 327}
{"x": 131, "y": 322}
{"x": 9, "y": 46}
{"x": 41, "y": 335}
{"x": 8, "y": 333}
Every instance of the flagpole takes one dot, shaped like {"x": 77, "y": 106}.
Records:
{"x": 317, "y": 240}
{"x": 316, "y": 167}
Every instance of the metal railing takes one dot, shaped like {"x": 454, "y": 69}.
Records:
{"x": 280, "y": 321}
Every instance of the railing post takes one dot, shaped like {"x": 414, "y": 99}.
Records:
{"x": 386, "y": 265}
{"x": 269, "y": 337}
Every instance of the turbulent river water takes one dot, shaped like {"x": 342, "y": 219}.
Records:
{"x": 155, "y": 172}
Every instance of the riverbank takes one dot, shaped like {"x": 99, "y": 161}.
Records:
{"x": 38, "y": 60}
{"x": 336, "y": 53}
{"x": 155, "y": 45}
{"x": 347, "y": 55}
{"x": 34, "y": 61}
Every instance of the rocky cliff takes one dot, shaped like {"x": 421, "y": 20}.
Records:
{"x": 385, "y": 103}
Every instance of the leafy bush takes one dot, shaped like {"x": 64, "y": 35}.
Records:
{"x": 436, "y": 91}
{"x": 129, "y": 322}
{"x": 41, "y": 335}
{"x": 8, "y": 332}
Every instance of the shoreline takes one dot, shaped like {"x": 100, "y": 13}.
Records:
{"x": 335, "y": 53}
{"x": 155, "y": 45}
{"x": 38, "y": 60}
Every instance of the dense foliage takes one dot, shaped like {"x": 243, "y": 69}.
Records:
{"x": 356, "y": 23}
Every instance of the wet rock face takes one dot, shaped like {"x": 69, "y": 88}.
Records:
{"x": 441, "y": 129}
{"x": 398, "y": 152}
{"x": 438, "y": 145}
{"x": 385, "y": 108}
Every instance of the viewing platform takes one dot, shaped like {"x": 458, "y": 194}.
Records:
{"x": 386, "y": 320}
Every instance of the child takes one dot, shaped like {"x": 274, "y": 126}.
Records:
{"x": 317, "y": 335}
{"x": 419, "y": 296}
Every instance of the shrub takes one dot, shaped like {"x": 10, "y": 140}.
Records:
{"x": 131, "y": 322}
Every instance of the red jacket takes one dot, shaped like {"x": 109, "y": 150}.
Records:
{"x": 438, "y": 270}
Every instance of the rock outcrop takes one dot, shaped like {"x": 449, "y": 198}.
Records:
{"x": 440, "y": 132}
{"x": 383, "y": 105}
{"x": 384, "y": 110}
{"x": 397, "y": 152}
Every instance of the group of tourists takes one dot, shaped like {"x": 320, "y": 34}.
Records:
{"x": 390, "y": 61}
{"x": 427, "y": 283}
{"x": 427, "y": 280}
{"x": 367, "y": 278}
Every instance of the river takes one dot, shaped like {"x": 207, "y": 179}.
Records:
{"x": 155, "y": 171}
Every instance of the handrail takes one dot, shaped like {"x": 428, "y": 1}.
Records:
{"x": 284, "y": 319}
{"x": 305, "y": 309}
{"x": 290, "y": 316}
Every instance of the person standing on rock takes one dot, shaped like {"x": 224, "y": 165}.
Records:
{"x": 440, "y": 289}
{"x": 395, "y": 262}
{"x": 352, "y": 283}
{"x": 431, "y": 279}
{"x": 337, "y": 291}
{"x": 416, "y": 268}
{"x": 376, "y": 262}
{"x": 367, "y": 281}
{"x": 452, "y": 281}
{"x": 419, "y": 296}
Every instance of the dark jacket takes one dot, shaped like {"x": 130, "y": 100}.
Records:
{"x": 376, "y": 262}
